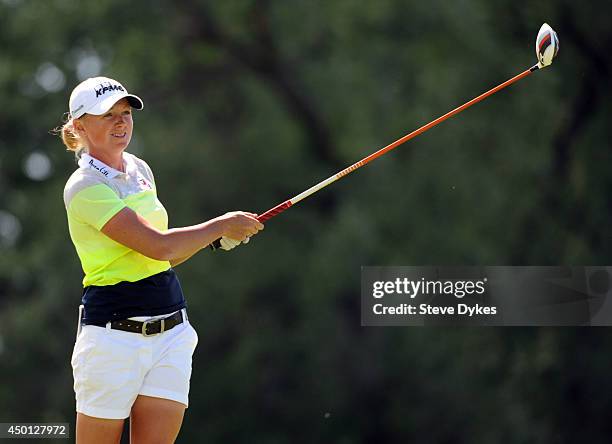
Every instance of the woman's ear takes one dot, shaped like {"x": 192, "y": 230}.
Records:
{"x": 78, "y": 126}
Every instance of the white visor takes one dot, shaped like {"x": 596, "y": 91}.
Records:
{"x": 97, "y": 95}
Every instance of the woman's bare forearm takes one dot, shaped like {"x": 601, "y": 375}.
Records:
{"x": 131, "y": 230}
{"x": 184, "y": 242}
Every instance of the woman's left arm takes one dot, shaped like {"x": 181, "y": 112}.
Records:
{"x": 175, "y": 262}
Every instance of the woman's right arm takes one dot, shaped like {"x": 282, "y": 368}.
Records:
{"x": 131, "y": 230}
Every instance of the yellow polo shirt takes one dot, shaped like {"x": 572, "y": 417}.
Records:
{"x": 93, "y": 195}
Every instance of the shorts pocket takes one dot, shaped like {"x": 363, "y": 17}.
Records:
{"x": 84, "y": 346}
{"x": 108, "y": 365}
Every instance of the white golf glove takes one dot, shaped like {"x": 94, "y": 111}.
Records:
{"x": 229, "y": 243}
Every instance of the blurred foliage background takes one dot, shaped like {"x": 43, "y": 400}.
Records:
{"x": 249, "y": 103}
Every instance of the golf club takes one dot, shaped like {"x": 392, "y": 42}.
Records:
{"x": 547, "y": 47}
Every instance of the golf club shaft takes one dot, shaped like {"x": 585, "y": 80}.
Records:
{"x": 310, "y": 191}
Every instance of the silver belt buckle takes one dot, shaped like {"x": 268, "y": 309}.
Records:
{"x": 161, "y": 330}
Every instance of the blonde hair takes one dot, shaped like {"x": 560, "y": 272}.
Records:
{"x": 70, "y": 137}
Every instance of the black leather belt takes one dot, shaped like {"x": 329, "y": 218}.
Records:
{"x": 147, "y": 328}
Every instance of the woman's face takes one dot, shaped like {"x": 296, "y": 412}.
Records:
{"x": 110, "y": 131}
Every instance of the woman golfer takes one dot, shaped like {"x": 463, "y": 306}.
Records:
{"x": 132, "y": 356}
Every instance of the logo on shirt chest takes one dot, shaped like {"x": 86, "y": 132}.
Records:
{"x": 143, "y": 183}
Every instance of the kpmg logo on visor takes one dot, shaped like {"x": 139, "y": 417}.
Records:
{"x": 106, "y": 88}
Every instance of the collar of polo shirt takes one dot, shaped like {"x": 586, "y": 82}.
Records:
{"x": 87, "y": 161}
